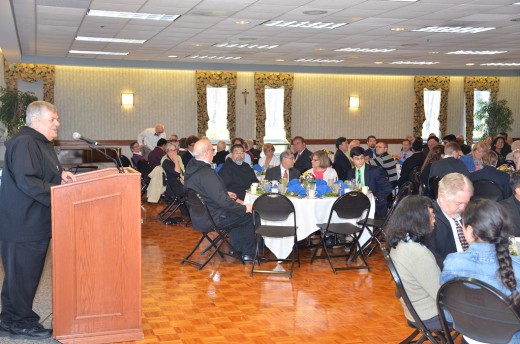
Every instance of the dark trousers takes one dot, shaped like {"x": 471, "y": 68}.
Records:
{"x": 23, "y": 265}
{"x": 242, "y": 232}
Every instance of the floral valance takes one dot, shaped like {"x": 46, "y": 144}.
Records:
{"x": 472, "y": 83}
{"x": 215, "y": 79}
{"x": 273, "y": 80}
{"x": 31, "y": 73}
{"x": 430, "y": 83}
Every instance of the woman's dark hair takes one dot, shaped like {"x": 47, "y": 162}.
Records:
{"x": 409, "y": 221}
{"x": 433, "y": 155}
{"x": 494, "y": 143}
{"x": 491, "y": 224}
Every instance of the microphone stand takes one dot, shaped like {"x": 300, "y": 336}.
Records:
{"x": 103, "y": 152}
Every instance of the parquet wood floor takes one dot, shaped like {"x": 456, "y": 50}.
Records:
{"x": 223, "y": 304}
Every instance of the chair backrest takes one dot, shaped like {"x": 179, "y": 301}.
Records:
{"x": 400, "y": 288}
{"x": 351, "y": 205}
{"x": 201, "y": 218}
{"x": 415, "y": 178}
{"x": 433, "y": 184}
{"x": 144, "y": 167}
{"x": 125, "y": 162}
{"x": 487, "y": 189}
{"x": 479, "y": 311}
{"x": 273, "y": 207}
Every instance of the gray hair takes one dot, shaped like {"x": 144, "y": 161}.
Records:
{"x": 172, "y": 144}
{"x": 35, "y": 110}
{"x": 452, "y": 183}
{"x": 286, "y": 154}
{"x": 201, "y": 147}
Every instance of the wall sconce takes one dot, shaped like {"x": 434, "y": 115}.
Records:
{"x": 353, "y": 102}
{"x": 127, "y": 99}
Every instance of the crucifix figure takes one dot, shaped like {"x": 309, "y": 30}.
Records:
{"x": 245, "y": 93}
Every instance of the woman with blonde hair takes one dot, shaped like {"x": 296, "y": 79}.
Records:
{"x": 269, "y": 159}
{"x": 321, "y": 166}
{"x": 473, "y": 161}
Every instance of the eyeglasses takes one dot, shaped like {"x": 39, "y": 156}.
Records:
{"x": 172, "y": 150}
{"x": 315, "y": 159}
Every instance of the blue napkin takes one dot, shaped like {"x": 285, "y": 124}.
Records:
{"x": 257, "y": 168}
{"x": 341, "y": 186}
{"x": 218, "y": 167}
{"x": 321, "y": 187}
{"x": 294, "y": 186}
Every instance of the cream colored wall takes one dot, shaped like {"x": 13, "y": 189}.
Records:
{"x": 89, "y": 102}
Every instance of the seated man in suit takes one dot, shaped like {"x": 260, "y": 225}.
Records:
{"x": 414, "y": 161}
{"x": 136, "y": 153}
{"x": 286, "y": 168}
{"x": 372, "y": 176}
{"x": 371, "y": 147}
{"x": 301, "y": 154}
{"x": 455, "y": 191}
{"x": 201, "y": 178}
{"x": 489, "y": 172}
{"x": 236, "y": 174}
{"x": 450, "y": 162}
{"x": 341, "y": 162}
{"x": 221, "y": 154}
{"x": 512, "y": 204}
{"x": 190, "y": 144}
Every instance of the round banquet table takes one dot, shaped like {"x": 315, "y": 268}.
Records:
{"x": 309, "y": 213}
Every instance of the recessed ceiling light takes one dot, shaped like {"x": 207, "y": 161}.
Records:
{"x": 197, "y": 45}
{"x": 433, "y": 52}
{"x": 305, "y": 24}
{"x": 209, "y": 57}
{"x": 454, "y": 29}
{"x": 110, "y": 40}
{"x": 319, "y": 49}
{"x": 319, "y": 60}
{"x": 314, "y": 12}
{"x": 470, "y": 64}
{"x": 414, "y": 62}
{"x": 397, "y": 29}
{"x": 132, "y": 15}
{"x": 366, "y": 50}
{"x": 245, "y": 45}
{"x": 470, "y": 52}
{"x": 378, "y": 62}
{"x": 172, "y": 56}
{"x": 500, "y": 64}
{"x": 279, "y": 60}
{"x": 242, "y": 22}
{"x": 97, "y": 52}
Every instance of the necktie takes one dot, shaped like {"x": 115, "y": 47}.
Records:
{"x": 358, "y": 178}
{"x": 460, "y": 234}
{"x": 285, "y": 175}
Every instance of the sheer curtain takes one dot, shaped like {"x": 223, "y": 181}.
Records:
{"x": 432, "y": 107}
{"x": 479, "y": 96}
{"x": 274, "y": 124}
{"x": 217, "y": 101}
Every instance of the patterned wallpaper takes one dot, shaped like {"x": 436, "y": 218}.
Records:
{"x": 89, "y": 102}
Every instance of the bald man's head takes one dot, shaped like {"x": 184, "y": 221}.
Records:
{"x": 203, "y": 150}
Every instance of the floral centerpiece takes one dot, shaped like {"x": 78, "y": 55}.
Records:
{"x": 506, "y": 168}
{"x": 330, "y": 154}
{"x": 306, "y": 179}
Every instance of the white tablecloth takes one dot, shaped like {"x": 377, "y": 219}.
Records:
{"x": 309, "y": 212}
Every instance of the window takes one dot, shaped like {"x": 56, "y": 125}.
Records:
{"x": 274, "y": 123}
{"x": 217, "y": 100}
{"x": 480, "y": 96}
{"x": 432, "y": 108}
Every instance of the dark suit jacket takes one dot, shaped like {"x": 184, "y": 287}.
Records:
{"x": 303, "y": 163}
{"x": 499, "y": 177}
{"x": 448, "y": 165}
{"x": 370, "y": 153}
{"x": 442, "y": 241}
{"x": 275, "y": 173}
{"x": 511, "y": 205}
{"x": 377, "y": 181}
{"x": 186, "y": 157}
{"x": 341, "y": 164}
{"x": 417, "y": 159}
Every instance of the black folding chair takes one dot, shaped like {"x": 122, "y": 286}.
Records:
{"x": 415, "y": 178}
{"x": 274, "y": 207}
{"x": 377, "y": 224}
{"x": 350, "y": 206}
{"x": 175, "y": 201}
{"x": 435, "y": 337}
{"x": 479, "y": 311}
{"x": 433, "y": 184}
{"x": 487, "y": 189}
{"x": 203, "y": 222}
{"x": 145, "y": 168}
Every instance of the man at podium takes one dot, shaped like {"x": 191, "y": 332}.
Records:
{"x": 31, "y": 167}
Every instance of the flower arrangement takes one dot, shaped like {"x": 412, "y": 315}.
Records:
{"x": 506, "y": 168}
{"x": 307, "y": 178}
{"x": 330, "y": 154}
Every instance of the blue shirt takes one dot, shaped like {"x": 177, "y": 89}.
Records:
{"x": 480, "y": 262}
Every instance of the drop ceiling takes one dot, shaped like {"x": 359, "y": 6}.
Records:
{"x": 44, "y": 31}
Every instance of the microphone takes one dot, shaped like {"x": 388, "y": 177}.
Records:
{"x": 77, "y": 136}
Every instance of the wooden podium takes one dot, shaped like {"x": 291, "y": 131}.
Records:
{"x": 96, "y": 258}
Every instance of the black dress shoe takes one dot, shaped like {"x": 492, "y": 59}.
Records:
{"x": 36, "y": 331}
{"x": 247, "y": 259}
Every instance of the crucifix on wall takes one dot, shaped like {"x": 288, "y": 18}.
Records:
{"x": 245, "y": 93}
